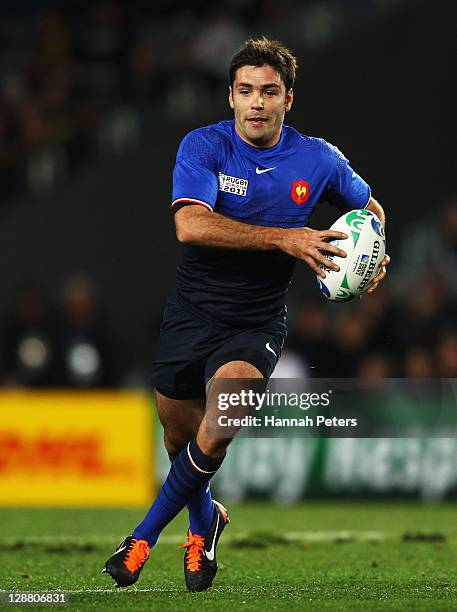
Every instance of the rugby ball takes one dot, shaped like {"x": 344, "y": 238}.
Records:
{"x": 365, "y": 248}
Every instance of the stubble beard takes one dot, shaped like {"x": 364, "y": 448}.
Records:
{"x": 256, "y": 138}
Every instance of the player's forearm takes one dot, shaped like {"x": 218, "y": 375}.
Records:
{"x": 378, "y": 210}
{"x": 195, "y": 225}
{"x": 203, "y": 228}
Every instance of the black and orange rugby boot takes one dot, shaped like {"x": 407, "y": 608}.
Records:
{"x": 128, "y": 561}
{"x": 200, "y": 564}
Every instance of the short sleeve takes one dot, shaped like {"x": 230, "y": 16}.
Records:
{"x": 195, "y": 175}
{"x": 346, "y": 189}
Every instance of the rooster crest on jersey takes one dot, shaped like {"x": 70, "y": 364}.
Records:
{"x": 365, "y": 248}
{"x": 300, "y": 191}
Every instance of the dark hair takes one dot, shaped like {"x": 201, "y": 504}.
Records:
{"x": 263, "y": 51}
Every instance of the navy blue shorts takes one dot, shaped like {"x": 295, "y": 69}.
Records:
{"x": 191, "y": 350}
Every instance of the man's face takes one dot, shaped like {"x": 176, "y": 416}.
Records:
{"x": 259, "y": 99}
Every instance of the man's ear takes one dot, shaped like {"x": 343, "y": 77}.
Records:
{"x": 289, "y": 100}
{"x": 230, "y": 98}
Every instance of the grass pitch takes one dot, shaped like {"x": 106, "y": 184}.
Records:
{"x": 316, "y": 556}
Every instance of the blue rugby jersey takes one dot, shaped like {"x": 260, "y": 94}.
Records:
{"x": 274, "y": 187}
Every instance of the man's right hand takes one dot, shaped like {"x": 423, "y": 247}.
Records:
{"x": 311, "y": 245}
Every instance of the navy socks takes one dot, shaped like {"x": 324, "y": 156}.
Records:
{"x": 185, "y": 484}
{"x": 201, "y": 510}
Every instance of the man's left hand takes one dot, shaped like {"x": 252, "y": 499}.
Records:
{"x": 380, "y": 275}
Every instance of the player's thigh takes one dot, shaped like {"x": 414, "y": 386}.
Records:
{"x": 180, "y": 419}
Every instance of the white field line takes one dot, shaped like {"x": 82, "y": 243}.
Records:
{"x": 79, "y": 591}
{"x": 291, "y": 536}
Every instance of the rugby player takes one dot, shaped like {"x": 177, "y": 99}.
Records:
{"x": 243, "y": 191}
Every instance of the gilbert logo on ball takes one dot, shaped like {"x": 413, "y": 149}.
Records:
{"x": 365, "y": 248}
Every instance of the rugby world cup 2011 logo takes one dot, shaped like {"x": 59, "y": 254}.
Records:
{"x": 300, "y": 191}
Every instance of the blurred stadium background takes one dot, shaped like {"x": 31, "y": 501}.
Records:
{"x": 94, "y": 98}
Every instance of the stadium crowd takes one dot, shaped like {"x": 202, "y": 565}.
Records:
{"x": 67, "y": 344}
{"x": 80, "y": 79}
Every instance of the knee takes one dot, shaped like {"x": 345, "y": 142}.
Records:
{"x": 238, "y": 369}
{"x": 174, "y": 443}
{"x": 213, "y": 447}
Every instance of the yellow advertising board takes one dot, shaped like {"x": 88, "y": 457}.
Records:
{"x": 76, "y": 448}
